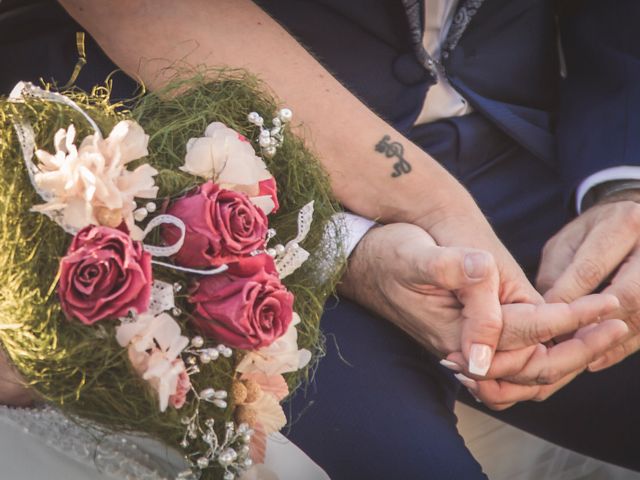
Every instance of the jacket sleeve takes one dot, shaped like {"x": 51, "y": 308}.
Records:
{"x": 599, "y": 112}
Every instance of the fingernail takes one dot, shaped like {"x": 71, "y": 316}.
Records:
{"x": 475, "y": 397}
{"x": 479, "y": 359}
{"x": 450, "y": 365}
{"x": 470, "y": 383}
{"x": 475, "y": 264}
{"x": 597, "y": 364}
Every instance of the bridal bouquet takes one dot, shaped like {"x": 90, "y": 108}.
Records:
{"x": 164, "y": 267}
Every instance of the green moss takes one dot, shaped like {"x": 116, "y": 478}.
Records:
{"x": 82, "y": 369}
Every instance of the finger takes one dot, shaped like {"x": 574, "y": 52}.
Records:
{"x": 616, "y": 354}
{"x": 526, "y": 324}
{"x": 540, "y": 365}
{"x": 602, "y": 250}
{"x": 473, "y": 276}
{"x": 502, "y": 394}
{"x": 556, "y": 257}
{"x": 626, "y": 286}
{"x": 504, "y": 364}
{"x": 450, "y": 268}
{"x": 548, "y": 365}
{"x": 482, "y": 321}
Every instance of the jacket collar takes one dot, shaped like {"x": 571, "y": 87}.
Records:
{"x": 414, "y": 10}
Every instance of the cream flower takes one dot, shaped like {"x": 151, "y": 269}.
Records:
{"x": 256, "y": 405}
{"x": 282, "y": 356}
{"x": 227, "y": 158}
{"x": 155, "y": 344}
{"x": 90, "y": 184}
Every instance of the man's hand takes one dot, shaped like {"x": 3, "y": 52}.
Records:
{"x": 537, "y": 372}
{"x": 601, "y": 247}
{"x": 446, "y": 298}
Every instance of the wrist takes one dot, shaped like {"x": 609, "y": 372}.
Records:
{"x": 358, "y": 267}
{"x": 611, "y": 191}
{"x": 630, "y": 194}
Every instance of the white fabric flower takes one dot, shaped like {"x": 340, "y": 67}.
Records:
{"x": 227, "y": 158}
{"x": 282, "y": 356}
{"x": 91, "y": 185}
{"x": 155, "y": 344}
{"x": 224, "y": 156}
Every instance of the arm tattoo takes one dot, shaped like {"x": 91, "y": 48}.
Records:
{"x": 394, "y": 149}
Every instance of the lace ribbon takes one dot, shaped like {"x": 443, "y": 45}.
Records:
{"x": 294, "y": 255}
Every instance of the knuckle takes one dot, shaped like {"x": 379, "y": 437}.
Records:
{"x": 491, "y": 322}
{"x": 630, "y": 211}
{"x": 539, "y": 332}
{"x": 547, "y": 376}
{"x": 629, "y": 295}
{"x": 443, "y": 270}
{"x": 589, "y": 273}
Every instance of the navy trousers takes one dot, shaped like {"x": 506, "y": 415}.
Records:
{"x": 379, "y": 406}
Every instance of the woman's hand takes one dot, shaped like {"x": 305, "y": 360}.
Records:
{"x": 447, "y": 298}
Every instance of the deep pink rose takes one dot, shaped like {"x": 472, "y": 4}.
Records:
{"x": 222, "y": 226}
{"x": 105, "y": 274}
{"x": 269, "y": 187}
{"x": 246, "y": 307}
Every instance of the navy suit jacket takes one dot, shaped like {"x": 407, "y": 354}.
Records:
{"x": 507, "y": 63}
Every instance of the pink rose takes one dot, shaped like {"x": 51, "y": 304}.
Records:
{"x": 246, "y": 307}
{"x": 222, "y": 226}
{"x": 105, "y": 274}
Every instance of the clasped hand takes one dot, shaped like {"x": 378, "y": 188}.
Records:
{"x": 460, "y": 303}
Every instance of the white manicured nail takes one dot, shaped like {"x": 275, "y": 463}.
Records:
{"x": 466, "y": 381}
{"x": 479, "y": 359}
{"x": 450, "y": 365}
{"x": 475, "y": 397}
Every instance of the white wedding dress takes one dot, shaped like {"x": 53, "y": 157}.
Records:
{"x": 43, "y": 443}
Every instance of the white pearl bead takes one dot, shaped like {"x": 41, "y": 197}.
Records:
{"x": 220, "y": 403}
{"x": 253, "y": 117}
{"x": 285, "y": 115}
{"x": 264, "y": 141}
{"x": 205, "y": 357}
{"x": 140, "y": 214}
{"x": 271, "y": 252}
{"x": 151, "y": 207}
{"x": 197, "y": 342}
{"x": 221, "y": 394}
{"x": 280, "y": 249}
{"x": 207, "y": 393}
{"x": 269, "y": 152}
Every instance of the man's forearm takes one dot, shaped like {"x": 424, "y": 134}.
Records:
{"x": 374, "y": 170}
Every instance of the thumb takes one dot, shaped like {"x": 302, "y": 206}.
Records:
{"x": 472, "y": 275}
{"x": 482, "y": 317}
{"x": 450, "y": 268}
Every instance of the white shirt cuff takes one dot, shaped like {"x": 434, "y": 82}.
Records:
{"x": 624, "y": 172}
{"x": 355, "y": 227}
